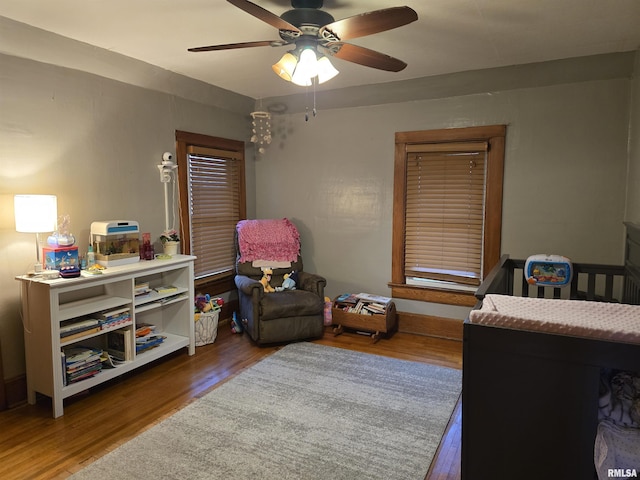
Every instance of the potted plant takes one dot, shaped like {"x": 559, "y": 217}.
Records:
{"x": 170, "y": 242}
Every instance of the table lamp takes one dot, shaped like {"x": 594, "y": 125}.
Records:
{"x": 36, "y": 214}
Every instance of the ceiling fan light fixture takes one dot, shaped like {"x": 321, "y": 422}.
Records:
{"x": 286, "y": 66}
{"x": 301, "y": 65}
{"x": 306, "y": 69}
{"x": 309, "y": 28}
{"x": 326, "y": 70}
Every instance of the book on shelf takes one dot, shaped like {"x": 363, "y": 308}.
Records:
{"x": 77, "y": 325}
{"x": 116, "y": 313}
{"x": 146, "y": 337}
{"x": 109, "y": 361}
{"x": 141, "y": 289}
{"x": 80, "y": 334}
{"x": 171, "y": 298}
{"x": 115, "y": 318}
{"x": 63, "y": 358}
{"x": 85, "y": 373}
{"x": 147, "y": 342}
{"x": 79, "y": 363}
{"x": 144, "y": 329}
{"x": 81, "y": 354}
{"x": 120, "y": 344}
{"x": 166, "y": 289}
{"x": 116, "y": 323}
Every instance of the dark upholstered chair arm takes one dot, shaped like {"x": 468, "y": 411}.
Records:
{"x": 248, "y": 285}
{"x": 312, "y": 283}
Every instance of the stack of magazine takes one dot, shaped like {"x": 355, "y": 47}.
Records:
{"x": 80, "y": 363}
{"x": 146, "y": 338}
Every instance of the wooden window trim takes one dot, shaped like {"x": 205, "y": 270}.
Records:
{"x": 494, "y": 135}
{"x": 185, "y": 140}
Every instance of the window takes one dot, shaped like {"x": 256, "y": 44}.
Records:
{"x": 212, "y": 201}
{"x": 447, "y": 212}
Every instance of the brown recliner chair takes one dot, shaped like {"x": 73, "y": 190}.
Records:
{"x": 281, "y": 316}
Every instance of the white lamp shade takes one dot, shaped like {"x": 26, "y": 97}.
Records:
{"x": 35, "y": 213}
{"x": 306, "y": 69}
{"x": 326, "y": 70}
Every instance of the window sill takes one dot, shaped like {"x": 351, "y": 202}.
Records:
{"x": 433, "y": 295}
{"x": 215, "y": 286}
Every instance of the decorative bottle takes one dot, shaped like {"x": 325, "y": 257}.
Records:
{"x": 91, "y": 257}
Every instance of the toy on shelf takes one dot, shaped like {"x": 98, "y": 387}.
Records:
{"x": 62, "y": 237}
{"x": 60, "y": 251}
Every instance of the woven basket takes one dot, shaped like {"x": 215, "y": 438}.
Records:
{"x": 206, "y": 328}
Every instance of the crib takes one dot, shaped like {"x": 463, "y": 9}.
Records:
{"x": 530, "y": 401}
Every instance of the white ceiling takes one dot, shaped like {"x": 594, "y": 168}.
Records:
{"x": 449, "y": 36}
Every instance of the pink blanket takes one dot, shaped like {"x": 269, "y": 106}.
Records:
{"x": 276, "y": 240}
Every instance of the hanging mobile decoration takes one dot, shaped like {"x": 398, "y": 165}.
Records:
{"x": 261, "y": 130}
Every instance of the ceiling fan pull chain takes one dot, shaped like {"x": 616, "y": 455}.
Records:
{"x": 314, "y": 111}
{"x": 306, "y": 104}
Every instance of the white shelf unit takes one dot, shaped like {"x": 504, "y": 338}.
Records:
{"x": 47, "y": 303}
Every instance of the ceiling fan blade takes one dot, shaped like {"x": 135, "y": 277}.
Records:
{"x": 264, "y": 15}
{"x": 370, "y": 23}
{"x": 366, "y": 57}
{"x": 231, "y": 46}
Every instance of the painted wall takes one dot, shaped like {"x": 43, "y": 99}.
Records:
{"x": 95, "y": 138}
{"x": 95, "y": 143}
{"x": 564, "y": 188}
{"x": 633, "y": 183}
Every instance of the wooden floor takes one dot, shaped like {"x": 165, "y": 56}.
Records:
{"x": 35, "y": 446}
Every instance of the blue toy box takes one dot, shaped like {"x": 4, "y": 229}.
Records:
{"x": 53, "y": 258}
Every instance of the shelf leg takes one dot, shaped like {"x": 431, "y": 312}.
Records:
{"x": 337, "y": 330}
{"x": 31, "y": 396}
{"x": 58, "y": 409}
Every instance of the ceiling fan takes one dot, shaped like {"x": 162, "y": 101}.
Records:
{"x": 317, "y": 35}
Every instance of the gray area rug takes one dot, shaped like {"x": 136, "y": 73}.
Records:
{"x": 306, "y": 412}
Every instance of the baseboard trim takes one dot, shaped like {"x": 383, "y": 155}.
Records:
{"x": 15, "y": 391}
{"x": 429, "y": 325}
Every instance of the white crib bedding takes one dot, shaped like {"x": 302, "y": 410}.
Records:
{"x": 602, "y": 321}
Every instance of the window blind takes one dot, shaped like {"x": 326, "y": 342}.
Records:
{"x": 445, "y": 211}
{"x": 214, "y": 209}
